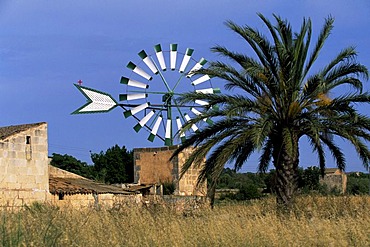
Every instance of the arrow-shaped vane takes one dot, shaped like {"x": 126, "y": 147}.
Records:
{"x": 96, "y": 101}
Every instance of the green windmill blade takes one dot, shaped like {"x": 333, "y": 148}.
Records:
{"x": 196, "y": 67}
{"x": 148, "y": 62}
{"x": 160, "y": 57}
{"x": 179, "y": 128}
{"x": 143, "y": 121}
{"x": 185, "y": 60}
{"x": 139, "y": 71}
{"x": 154, "y": 131}
{"x": 173, "y": 56}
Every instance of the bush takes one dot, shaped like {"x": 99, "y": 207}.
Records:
{"x": 357, "y": 186}
{"x": 168, "y": 188}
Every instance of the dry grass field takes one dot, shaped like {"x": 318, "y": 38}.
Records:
{"x": 316, "y": 221}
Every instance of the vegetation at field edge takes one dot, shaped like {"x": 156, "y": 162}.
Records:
{"x": 314, "y": 221}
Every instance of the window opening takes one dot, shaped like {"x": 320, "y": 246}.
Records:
{"x": 28, "y": 139}
{"x": 61, "y": 196}
{"x": 28, "y": 148}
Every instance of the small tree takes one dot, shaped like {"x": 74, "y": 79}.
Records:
{"x": 309, "y": 179}
{"x": 71, "y": 164}
{"x": 114, "y": 166}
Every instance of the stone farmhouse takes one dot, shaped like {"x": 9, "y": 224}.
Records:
{"x": 23, "y": 164}
{"x": 27, "y": 177}
{"x": 71, "y": 190}
{"x": 334, "y": 178}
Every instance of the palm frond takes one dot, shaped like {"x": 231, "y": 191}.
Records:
{"x": 266, "y": 156}
{"x": 324, "y": 34}
{"x": 336, "y": 152}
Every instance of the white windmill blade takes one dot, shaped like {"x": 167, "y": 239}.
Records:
{"x": 133, "y": 83}
{"x": 198, "y": 113}
{"x": 160, "y": 57}
{"x": 179, "y": 128}
{"x": 96, "y": 101}
{"x": 173, "y": 56}
{"x": 135, "y": 110}
{"x": 143, "y": 121}
{"x": 201, "y": 102}
{"x": 186, "y": 60}
{"x": 200, "y": 80}
{"x": 154, "y": 131}
{"x": 134, "y": 96}
{"x": 148, "y": 61}
{"x": 168, "y": 133}
{"x": 139, "y": 71}
{"x": 193, "y": 126}
{"x": 208, "y": 90}
{"x": 196, "y": 67}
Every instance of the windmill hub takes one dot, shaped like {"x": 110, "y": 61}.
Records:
{"x": 167, "y": 97}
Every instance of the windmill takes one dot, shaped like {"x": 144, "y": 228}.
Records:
{"x": 153, "y": 87}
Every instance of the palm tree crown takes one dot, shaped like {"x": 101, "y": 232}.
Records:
{"x": 277, "y": 101}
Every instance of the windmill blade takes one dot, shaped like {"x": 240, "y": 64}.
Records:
{"x": 186, "y": 60}
{"x": 201, "y": 102}
{"x": 96, "y": 101}
{"x": 159, "y": 54}
{"x": 133, "y": 83}
{"x": 208, "y": 90}
{"x": 179, "y": 127}
{"x": 143, "y": 121}
{"x": 148, "y": 62}
{"x": 139, "y": 71}
{"x": 173, "y": 56}
{"x": 193, "y": 126}
{"x": 135, "y": 110}
{"x": 196, "y": 67}
{"x": 135, "y": 96}
{"x": 154, "y": 131}
{"x": 201, "y": 80}
{"x": 198, "y": 113}
{"x": 167, "y": 136}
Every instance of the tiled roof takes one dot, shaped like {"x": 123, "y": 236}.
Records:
{"x": 7, "y": 131}
{"x": 70, "y": 186}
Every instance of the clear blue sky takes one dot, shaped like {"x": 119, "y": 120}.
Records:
{"x": 46, "y": 46}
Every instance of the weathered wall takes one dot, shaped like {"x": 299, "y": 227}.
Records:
{"x": 187, "y": 184}
{"x": 153, "y": 166}
{"x": 60, "y": 173}
{"x": 23, "y": 167}
{"x": 80, "y": 201}
{"x": 335, "y": 181}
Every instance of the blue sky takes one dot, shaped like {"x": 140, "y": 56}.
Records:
{"x": 46, "y": 46}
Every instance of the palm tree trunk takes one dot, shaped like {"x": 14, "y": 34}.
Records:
{"x": 286, "y": 165}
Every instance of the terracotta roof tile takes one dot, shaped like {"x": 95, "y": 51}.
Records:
{"x": 70, "y": 186}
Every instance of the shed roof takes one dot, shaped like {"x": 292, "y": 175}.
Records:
{"x": 71, "y": 186}
{"x": 7, "y": 131}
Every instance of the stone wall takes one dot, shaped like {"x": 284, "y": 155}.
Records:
{"x": 60, "y": 173}
{"x": 153, "y": 166}
{"x": 81, "y": 201}
{"x": 23, "y": 167}
{"x": 336, "y": 181}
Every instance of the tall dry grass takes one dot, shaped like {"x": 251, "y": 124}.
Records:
{"x": 315, "y": 221}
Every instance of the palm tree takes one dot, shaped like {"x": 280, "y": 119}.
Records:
{"x": 276, "y": 101}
